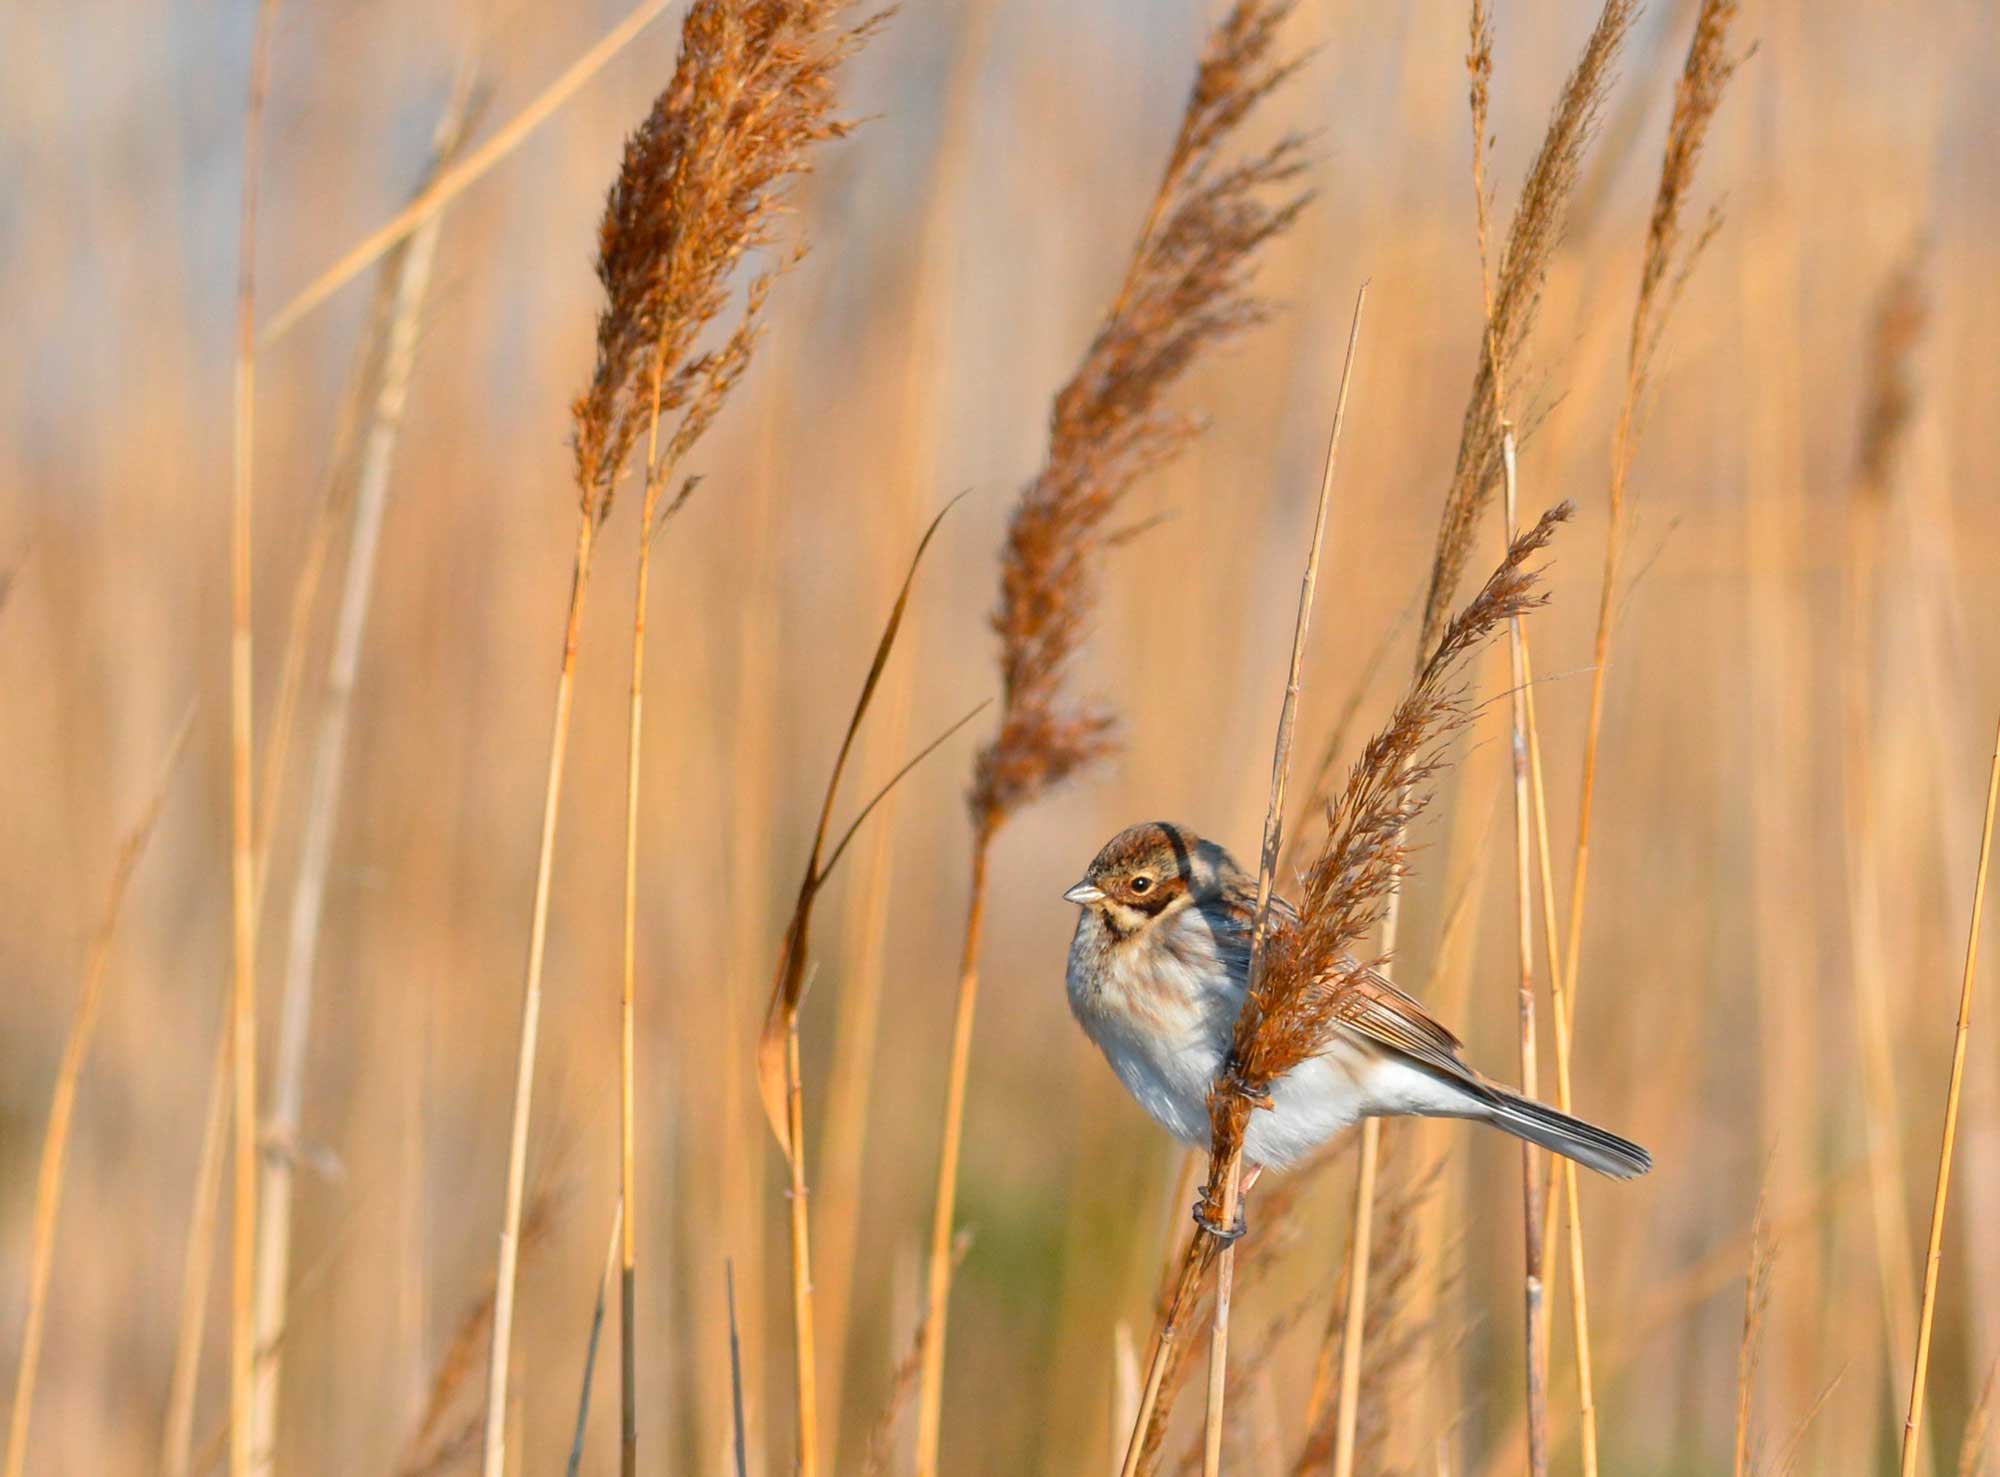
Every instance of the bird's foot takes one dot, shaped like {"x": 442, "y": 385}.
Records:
{"x": 1227, "y": 1237}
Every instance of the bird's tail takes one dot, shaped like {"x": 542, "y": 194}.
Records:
{"x": 1586, "y": 1143}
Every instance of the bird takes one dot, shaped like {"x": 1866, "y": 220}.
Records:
{"x": 1159, "y": 969}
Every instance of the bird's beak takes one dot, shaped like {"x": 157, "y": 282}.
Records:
{"x": 1084, "y": 894}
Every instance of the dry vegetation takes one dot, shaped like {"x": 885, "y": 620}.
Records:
{"x": 1732, "y": 690}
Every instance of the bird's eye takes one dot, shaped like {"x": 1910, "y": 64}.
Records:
{"x": 1142, "y": 884}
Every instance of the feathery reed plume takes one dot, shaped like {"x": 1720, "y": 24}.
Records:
{"x": 1670, "y": 258}
{"x": 700, "y": 184}
{"x": 1517, "y": 290}
{"x": 1290, "y": 1015}
{"x": 1304, "y": 991}
{"x": 1913, "y": 1423}
{"x": 386, "y": 371}
{"x": 243, "y": 826}
{"x": 62, "y": 1105}
{"x": 1756, "y": 1297}
{"x": 778, "y": 1074}
{"x": 1185, "y": 291}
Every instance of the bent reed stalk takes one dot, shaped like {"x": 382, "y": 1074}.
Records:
{"x": 1185, "y": 291}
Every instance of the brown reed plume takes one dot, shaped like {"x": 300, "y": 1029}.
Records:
{"x": 1532, "y": 237}
{"x": 1185, "y": 292}
{"x": 1304, "y": 993}
{"x": 700, "y": 184}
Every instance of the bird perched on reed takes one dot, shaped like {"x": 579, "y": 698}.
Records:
{"x": 1158, "y": 972}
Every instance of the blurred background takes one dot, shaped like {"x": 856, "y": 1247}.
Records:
{"x": 1750, "y": 863}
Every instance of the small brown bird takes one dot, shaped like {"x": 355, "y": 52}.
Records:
{"x": 1159, "y": 969}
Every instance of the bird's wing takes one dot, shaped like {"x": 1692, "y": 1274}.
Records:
{"x": 1370, "y": 1006}
{"x": 1368, "y": 1003}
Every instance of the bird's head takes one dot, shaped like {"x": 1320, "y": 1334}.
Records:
{"x": 1148, "y": 871}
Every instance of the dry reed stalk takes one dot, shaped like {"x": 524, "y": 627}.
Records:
{"x": 613, "y": 1261}
{"x": 778, "y": 1074}
{"x": 1185, "y": 291}
{"x": 1536, "y": 1323}
{"x": 1913, "y": 1423}
{"x": 1669, "y": 259}
{"x": 700, "y": 184}
{"x": 197, "y": 1263}
{"x": 454, "y": 181}
{"x": 243, "y": 831}
{"x": 1306, "y": 991}
{"x": 1274, "y": 825}
{"x": 1560, "y": 1168}
{"x": 411, "y": 280}
{"x": 62, "y": 1104}
{"x": 1756, "y": 1296}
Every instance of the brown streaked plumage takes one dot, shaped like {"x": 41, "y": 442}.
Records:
{"x": 1158, "y": 971}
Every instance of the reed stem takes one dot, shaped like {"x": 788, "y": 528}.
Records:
{"x": 243, "y": 830}
{"x": 495, "y": 1448}
{"x": 1913, "y": 1423}
{"x": 937, "y": 1300}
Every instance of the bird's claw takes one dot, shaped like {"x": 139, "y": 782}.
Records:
{"x": 1227, "y": 1237}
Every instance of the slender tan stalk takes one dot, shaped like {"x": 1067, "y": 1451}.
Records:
{"x": 937, "y": 1287}
{"x": 1352, "y": 1334}
{"x": 321, "y": 824}
{"x": 1913, "y": 1423}
{"x": 495, "y": 1459}
{"x": 243, "y": 829}
{"x": 1218, "y": 1338}
{"x": 1531, "y": 1181}
{"x": 453, "y": 182}
{"x": 62, "y": 1105}
{"x": 197, "y": 1264}
{"x": 1274, "y": 824}
{"x": 1565, "y": 1168}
